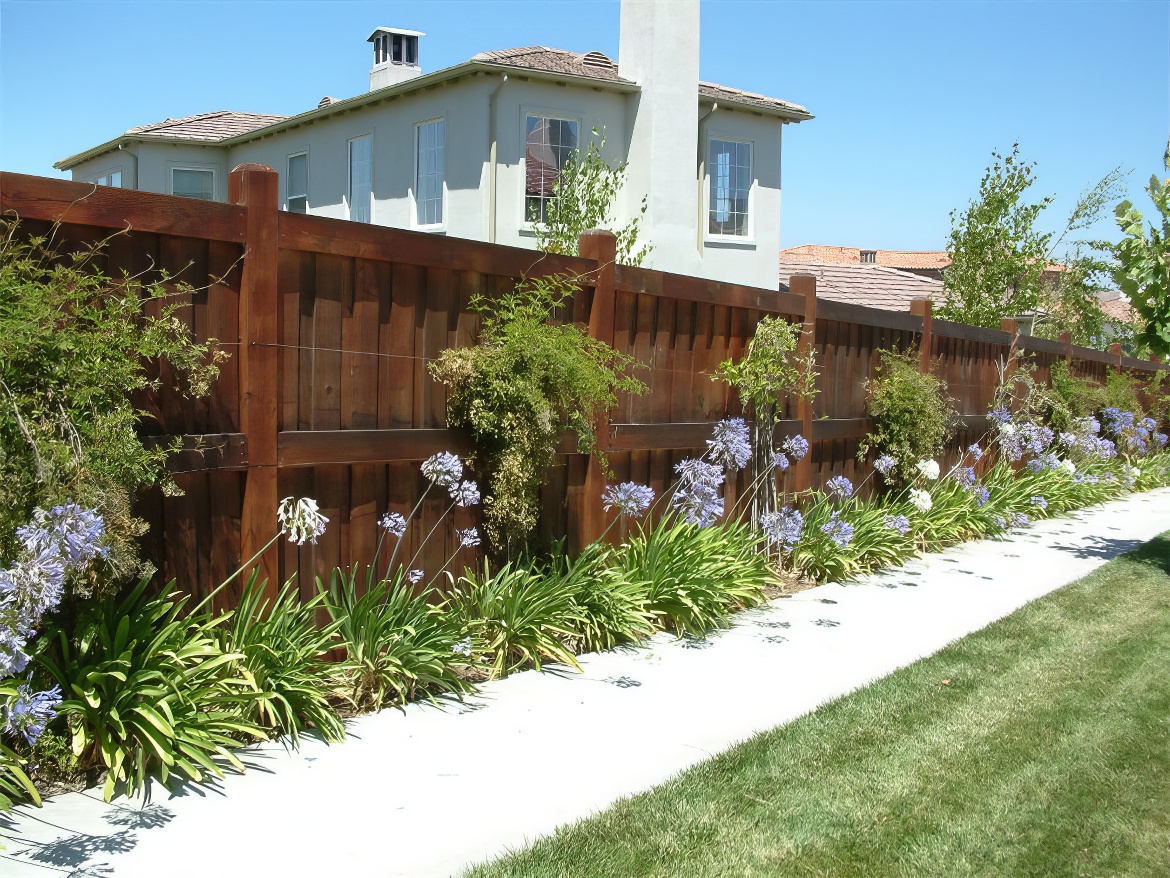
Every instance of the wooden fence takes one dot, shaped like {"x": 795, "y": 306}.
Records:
{"x": 331, "y": 326}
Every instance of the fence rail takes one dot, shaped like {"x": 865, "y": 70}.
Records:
{"x": 331, "y": 325}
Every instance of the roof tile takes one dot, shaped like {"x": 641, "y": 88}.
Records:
{"x": 218, "y": 125}
{"x": 875, "y": 286}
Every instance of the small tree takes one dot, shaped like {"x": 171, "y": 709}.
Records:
{"x": 997, "y": 255}
{"x": 586, "y": 191}
{"x": 1142, "y": 270}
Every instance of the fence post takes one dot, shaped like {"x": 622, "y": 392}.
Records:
{"x": 585, "y": 513}
{"x": 1115, "y": 348}
{"x": 924, "y": 308}
{"x": 1066, "y": 340}
{"x": 805, "y": 285}
{"x": 256, "y": 187}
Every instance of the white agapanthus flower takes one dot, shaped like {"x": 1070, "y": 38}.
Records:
{"x": 300, "y": 520}
{"x": 1067, "y": 467}
{"x": 1007, "y": 429}
{"x": 929, "y": 469}
{"x": 921, "y": 501}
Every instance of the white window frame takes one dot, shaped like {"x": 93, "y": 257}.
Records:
{"x": 181, "y": 166}
{"x": 349, "y": 174}
{"x": 541, "y": 112}
{"x": 708, "y": 235}
{"x": 103, "y": 174}
{"x": 288, "y": 178}
{"x": 429, "y": 227}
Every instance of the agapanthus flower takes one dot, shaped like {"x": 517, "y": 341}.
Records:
{"x": 693, "y": 471}
{"x": 698, "y": 504}
{"x": 885, "y": 464}
{"x": 921, "y": 500}
{"x": 838, "y": 530}
{"x": 468, "y": 538}
{"x": 730, "y": 445}
{"x": 1148, "y": 424}
{"x": 783, "y": 528}
{"x": 965, "y": 476}
{"x": 1106, "y": 449}
{"x": 1019, "y": 519}
{"x": 1035, "y": 465}
{"x": 999, "y": 521}
{"x": 1040, "y": 502}
{"x": 464, "y": 493}
{"x": 780, "y": 461}
{"x": 928, "y": 468}
{"x": 839, "y": 487}
{"x": 28, "y": 713}
{"x": 1085, "y": 478}
{"x": 463, "y": 647}
{"x": 1116, "y": 420}
{"x": 394, "y": 524}
{"x": 628, "y": 498}
{"x": 982, "y": 495}
{"x": 69, "y": 531}
{"x": 1067, "y": 467}
{"x": 1066, "y": 440}
{"x": 975, "y": 451}
{"x": 796, "y": 446}
{"x": 13, "y": 640}
{"x": 443, "y": 469}
{"x": 301, "y": 520}
{"x": 33, "y": 586}
{"x": 1000, "y": 415}
{"x": 414, "y": 577}
{"x": 900, "y": 523}
{"x": 1160, "y": 439}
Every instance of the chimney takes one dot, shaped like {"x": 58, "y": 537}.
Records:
{"x": 395, "y": 56}
{"x": 659, "y": 50}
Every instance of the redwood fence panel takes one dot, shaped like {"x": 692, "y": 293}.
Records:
{"x": 331, "y": 326}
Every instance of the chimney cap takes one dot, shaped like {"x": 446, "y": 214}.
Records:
{"x": 394, "y": 30}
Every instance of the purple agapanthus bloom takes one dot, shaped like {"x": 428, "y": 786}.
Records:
{"x": 885, "y": 464}
{"x": 1040, "y": 502}
{"x": 443, "y": 469}
{"x": 965, "y": 476}
{"x": 69, "y": 531}
{"x": 394, "y": 524}
{"x": 693, "y": 471}
{"x": 975, "y": 451}
{"x": 783, "y": 528}
{"x": 13, "y": 640}
{"x": 1019, "y": 519}
{"x": 1000, "y": 415}
{"x": 780, "y": 461}
{"x": 796, "y": 446}
{"x": 1035, "y": 465}
{"x": 414, "y": 577}
{"x": 839, "y": 487}
{"x": 464, "y": 493}
{"x": 999, "y": 521}
{"x": 628, "y": 498}
{"x": 838, "y": 530}
{"x": 982, "y": 495}
{"x": 731, "y": 445}
{"x": 900, "y": 523}
{"x": 468, "y": 538}
{"x": 1160, "y": 439}
{"x": 698, "y": 504}
{"x": 28, "y": 713}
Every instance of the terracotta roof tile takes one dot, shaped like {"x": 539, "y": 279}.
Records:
{"x": 1118, "y": 308}
{"x": 852, "y": 255}
{"x": 218, "y": 125}
{"x": 875, "y": 286}
{"x": 750, "y": 98}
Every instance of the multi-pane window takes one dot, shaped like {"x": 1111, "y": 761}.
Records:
{"x": 428, "y": 183}
{"x": 296, "y": 184}
{"x": 549, "y": 144}
{"x": 193, "y": 183}
{"x": 361, "y": 178}
{"x": 729, "y": 170}
{"x": 109, "y": 178}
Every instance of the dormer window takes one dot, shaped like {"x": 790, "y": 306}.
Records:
{"x": 869, "y": 257}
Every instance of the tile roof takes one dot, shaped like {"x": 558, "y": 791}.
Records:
{"x": 1116, "y": 307}
{"x": 749, "y": 98}
{"x": 219, "y": 125}
{"x": 852, "y": 255}
{"x": 875, "y": 286}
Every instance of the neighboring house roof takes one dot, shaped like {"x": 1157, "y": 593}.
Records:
{"x": 216, "y": 126}
{"x": 541, "y": 62}
{"x": 852, "y": 255}
{"x": 875, "y": 286}
{"x": 1116, "y": 307}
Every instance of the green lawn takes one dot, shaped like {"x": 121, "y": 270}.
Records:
{"x": 1039, "y": 746}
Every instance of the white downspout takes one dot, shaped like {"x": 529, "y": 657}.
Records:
{"x": 702, "y": 164}
{"x": 492, "y": 160}
{"x": 134, "y": 156}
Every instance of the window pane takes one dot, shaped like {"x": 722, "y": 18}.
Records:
{"x": 428, "y": 188}
{"x": 550, "y": 144}
{"x": 298, "y": 204}
{"x": 297, "y": 184}
{"x": 360, "y": 179}
{"x": 729, "y": 188}
{"x": 193, "y": 183}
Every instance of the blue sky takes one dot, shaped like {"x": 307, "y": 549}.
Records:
{"x": 910, "y": 97}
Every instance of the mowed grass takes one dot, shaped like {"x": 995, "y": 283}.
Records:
{"x": 1039, "y": 746}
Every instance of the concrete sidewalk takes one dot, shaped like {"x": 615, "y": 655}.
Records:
{"x": 428, "y": 791}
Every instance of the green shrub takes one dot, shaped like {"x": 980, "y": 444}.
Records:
{"x": 398, "y": 646}
{"x": 147, "y": 690}
{"x": 74, "y": 346}
{"x": 912, "y": 417}
{"x": 692, "y": 577}
{"x": 283, "y": 649}
{"x": 609, "y": 608}
{"x": 515, "y": 616}
{"x": 526, "y": 381}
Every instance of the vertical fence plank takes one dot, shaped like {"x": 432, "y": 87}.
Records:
{"x": 805, "y": 285}
{"x": 256, "y": 187}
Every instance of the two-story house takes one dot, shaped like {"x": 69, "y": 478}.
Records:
{"x": 473, "y": 150}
